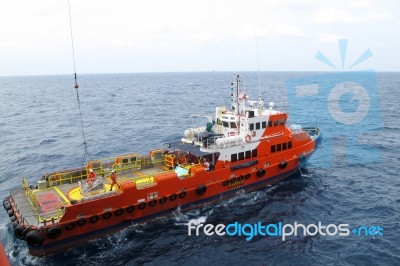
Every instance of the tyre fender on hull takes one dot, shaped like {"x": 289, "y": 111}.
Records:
{"x": 20, "y": 232}
{"x": 261, "y": 173}
{"x": 201, "y": 190}
{"x": 130, "y": 208}
{"x": 54, "y": 232}
{"x": 6, "y": 203}
{"x": 119, "y": 212}
{"x": 182, "y": 194}
{"x": 93, "y": 219}
{"x": 107, "y": 215}
{"x": 172, "y": 197}
{"x": 69, "y": 226}
{"x": 163, "y": 200}
{"x": 282, "y": 165}
{"x": 81, "y": 222}
{"x": 34, "y": 238}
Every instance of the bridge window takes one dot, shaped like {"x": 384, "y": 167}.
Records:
{"x": 248, "y": 154}
{"x": 272, "y": 148}
{"x": 282, "y": 122}
{"x": 251, "y": 127}
{"x": 275, "y": 123}
{"x": 289, "y": 145}
{"x": 269, "y": 123}
{"x": 257, "y": 125}
{"x": 264, "y": 124}
{"x": 278, "y": 147}
{"x": 233, "y": 158}
{"x": 225, "y": 124}
{"x": 233, "y": 125}
{"x": 241, "y": 156}
{"x": 284, "y": 146}
{"x": 254, "y": 153}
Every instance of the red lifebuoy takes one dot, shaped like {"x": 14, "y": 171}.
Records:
{"x": 248, "y": 138}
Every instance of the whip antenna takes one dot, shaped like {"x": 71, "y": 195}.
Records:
{"x": 76, "y": 86}
{"x": 258, "y": 67}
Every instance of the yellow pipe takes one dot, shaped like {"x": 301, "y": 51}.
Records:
{"x": 61, "y": 194}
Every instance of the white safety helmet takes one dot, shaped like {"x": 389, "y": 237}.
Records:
{"x": 91, "y": 170}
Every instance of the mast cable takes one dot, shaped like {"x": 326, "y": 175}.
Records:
{"x": 76, "y": 86}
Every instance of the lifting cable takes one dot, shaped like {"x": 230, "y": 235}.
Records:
{"x": 76, "y": 86}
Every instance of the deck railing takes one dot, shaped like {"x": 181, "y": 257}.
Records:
{"x": 33, "y": 200}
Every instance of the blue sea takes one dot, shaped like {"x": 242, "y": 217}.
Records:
{"x": 352, "y": 179}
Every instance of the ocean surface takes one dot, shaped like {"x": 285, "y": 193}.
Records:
{"x": 353, "y": 179}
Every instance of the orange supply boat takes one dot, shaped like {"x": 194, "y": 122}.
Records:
{"x": 244, "y": 148}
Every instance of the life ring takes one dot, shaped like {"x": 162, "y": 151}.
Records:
{"x": 81, "y": 222}
{"x": 107, "y": 215}
{"x": 142, "y": 205}
{"x": 119, "y": 212}
{"x": 226, "y": 163}
{"x": 130, "y": 208}
{"x": 173, "y": 197}
{"x": 53, "y": 232}
{"x": 201, "y": 190}
{"x": 261, "y": 173}
{"x": 93, "y": 219}
{"x": 153, "y": 203}
{"x": 70, "y": 226}
{"x": 163, "y": 200}
{"x": 247, "y": 176}
{"x": 182, "y": 194}
{"x": 34, "y": 238}
{"x": 248, "y": 138}
{"x": 225, "y": 183}
{"x": 20, "y": 232}
{"x": 282, "y": 165}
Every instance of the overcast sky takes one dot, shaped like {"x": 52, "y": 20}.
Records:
{"x": 152, "y": 36}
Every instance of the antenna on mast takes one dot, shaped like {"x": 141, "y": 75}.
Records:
{"x": 260, "y": 100}
{"x": 258, "y": 66}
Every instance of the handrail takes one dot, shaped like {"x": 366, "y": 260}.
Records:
{"x": 34, "y": 202}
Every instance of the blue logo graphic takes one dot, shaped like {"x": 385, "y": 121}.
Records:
{"x": 344, "y": 105}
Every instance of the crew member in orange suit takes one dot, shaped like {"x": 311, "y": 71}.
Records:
{"x": 114, "y": 179}
{"x": 92, "y": 176}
